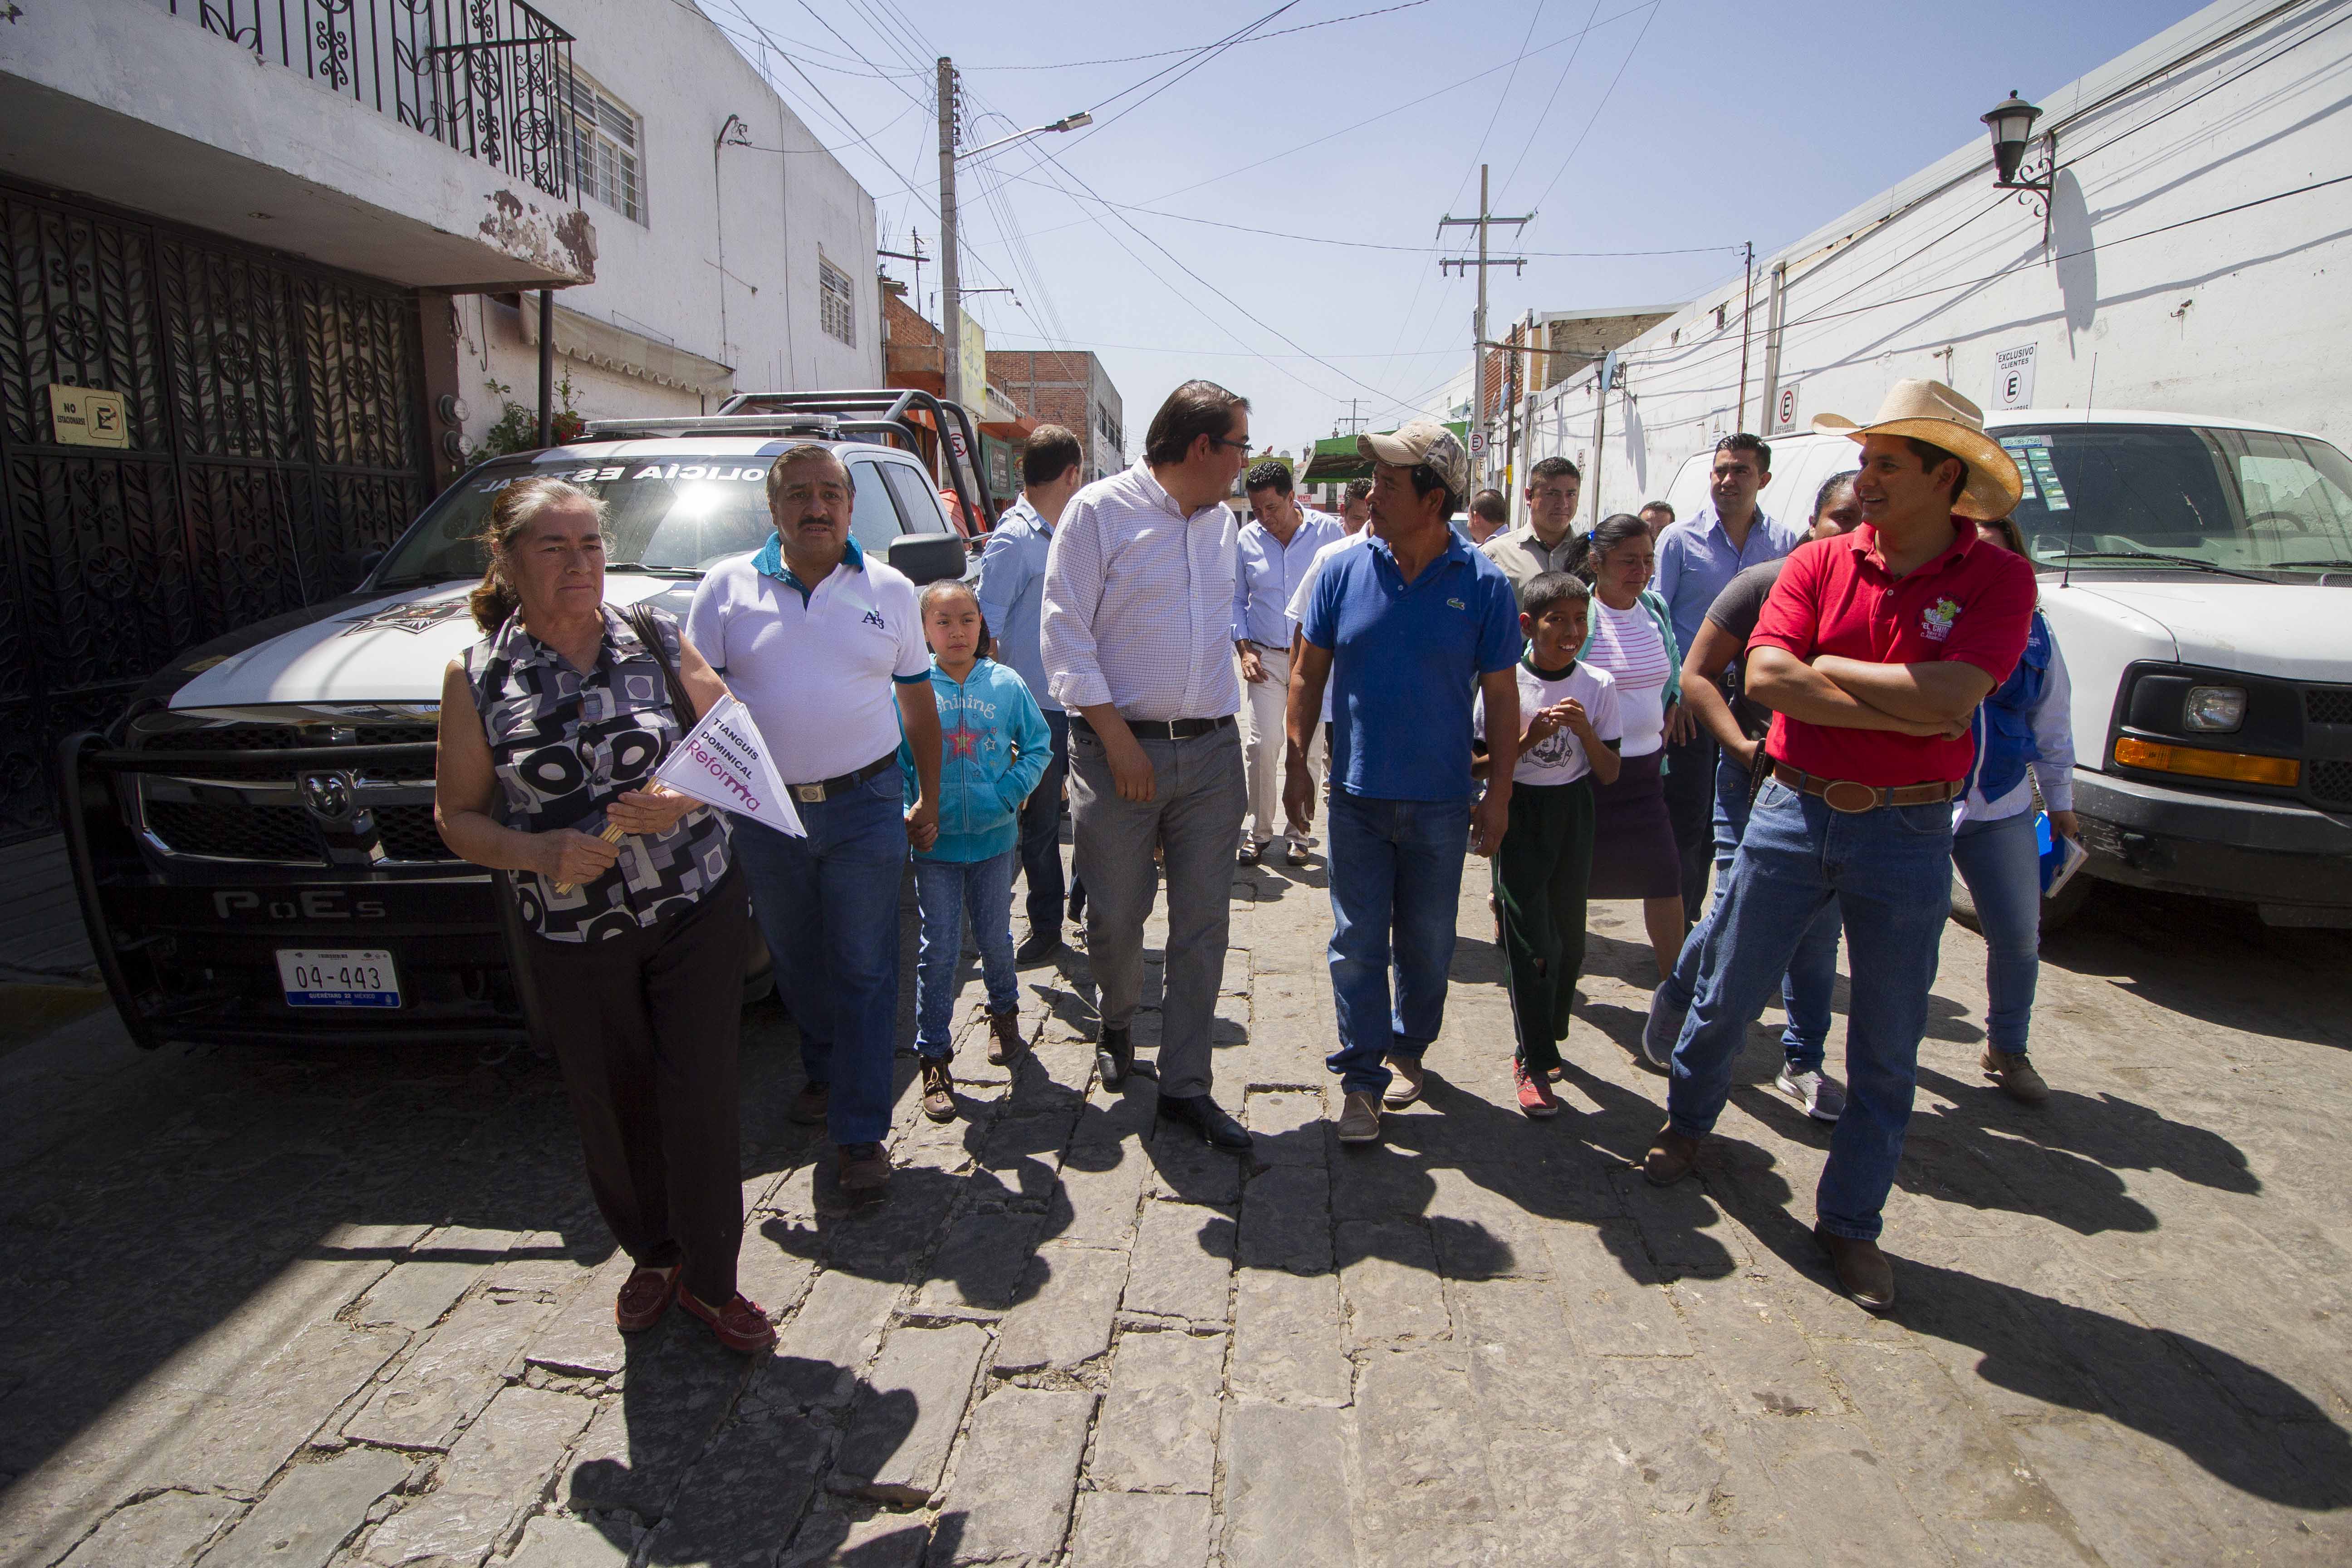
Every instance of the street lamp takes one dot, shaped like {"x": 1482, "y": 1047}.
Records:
{"x": 2010, "y": 123}
{"x": 951, "y": 306}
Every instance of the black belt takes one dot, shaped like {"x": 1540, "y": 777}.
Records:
{"x": 825, "y": 789}
{"x": 1162, "y": 729}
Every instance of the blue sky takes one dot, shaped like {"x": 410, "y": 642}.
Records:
{"x": 1670, "y": 126}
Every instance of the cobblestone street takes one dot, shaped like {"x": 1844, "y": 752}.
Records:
{"x": 274, "y": 1307}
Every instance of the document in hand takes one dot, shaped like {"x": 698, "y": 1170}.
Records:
{"x": 724, "y": 761}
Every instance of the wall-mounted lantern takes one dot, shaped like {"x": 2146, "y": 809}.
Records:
{"x": 2011, "y": 122}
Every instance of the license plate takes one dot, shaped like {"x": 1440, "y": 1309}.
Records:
{"x": 337, "y": 977}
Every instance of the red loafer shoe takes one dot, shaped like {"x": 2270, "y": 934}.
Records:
{"x": 645, "y": 1296}
{"x": 740, "y": 1325}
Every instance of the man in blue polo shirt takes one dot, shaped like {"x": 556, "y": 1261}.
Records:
{"x": 1408, "y": 631}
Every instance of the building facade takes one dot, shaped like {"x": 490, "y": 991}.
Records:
{"x": 1069, "y": 388}
{"x": 2190, "y": 258}
{"x": 256, "y": 290}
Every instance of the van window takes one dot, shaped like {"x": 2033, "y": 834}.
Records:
{"x": 917, "y": 499}
{"x": 873, "y": 519}
{"x": 2108, "y": 494}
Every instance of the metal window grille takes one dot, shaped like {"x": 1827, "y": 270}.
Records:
{"x": 605, "y": 138}
{"x": 836, "y": 302}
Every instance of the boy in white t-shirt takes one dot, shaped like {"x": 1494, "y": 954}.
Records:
{"x": 1571, "y": 735}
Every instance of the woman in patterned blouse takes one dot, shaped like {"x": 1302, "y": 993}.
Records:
{"x": 550, "y": 727}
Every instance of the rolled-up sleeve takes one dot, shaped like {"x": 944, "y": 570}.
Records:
{"x": 1073, "y": 593}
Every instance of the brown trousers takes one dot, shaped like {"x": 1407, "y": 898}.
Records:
{"x": 646, "y": 1027}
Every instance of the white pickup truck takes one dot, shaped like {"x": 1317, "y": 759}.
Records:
{"x": 2198, "y": 574}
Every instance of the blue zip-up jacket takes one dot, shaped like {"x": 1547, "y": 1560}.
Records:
{"x": 993, "y": 747}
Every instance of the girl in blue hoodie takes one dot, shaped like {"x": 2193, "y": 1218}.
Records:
{"x": 993, "y": 747}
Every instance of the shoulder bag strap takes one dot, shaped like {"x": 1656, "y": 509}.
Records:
{"x": 643, "y": 621}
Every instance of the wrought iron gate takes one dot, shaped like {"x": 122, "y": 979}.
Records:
{"x": 277, "y": 434}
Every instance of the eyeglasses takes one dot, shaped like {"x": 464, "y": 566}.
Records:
{"x": 1222, "y": 441}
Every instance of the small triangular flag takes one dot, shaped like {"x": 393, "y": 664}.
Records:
{"x": 724, "y": 761}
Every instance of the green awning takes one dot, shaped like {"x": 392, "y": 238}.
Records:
{"x": 1337, "y": 459}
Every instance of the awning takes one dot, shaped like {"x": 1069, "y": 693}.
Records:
{"x": 1010, "y": 430}
{"x": 1337, "y": 459}
{"x": 601, "y": 343}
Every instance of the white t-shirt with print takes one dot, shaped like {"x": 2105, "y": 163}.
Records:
{"x": 1559, "y": 758}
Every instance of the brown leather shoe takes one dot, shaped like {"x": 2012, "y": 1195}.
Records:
{"x": 1404, "y": 1087}
{"x": 939, "y": 1089}
{"x": 645, "y": 1296}
{"x": 1004, "y": 1038}
{"x": 864, "y": 1169}
{"x": 1863, "y": 1271}
{"x": 739, "y": 1324}
{"x": 2014, "y": 1076}
{"x": 808, "y": 1105}
{"x": 1671, "y": 1154}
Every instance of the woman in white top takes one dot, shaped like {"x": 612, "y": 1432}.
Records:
{"x": 2023, "y": 727}
{"x": 1632, "y": 639}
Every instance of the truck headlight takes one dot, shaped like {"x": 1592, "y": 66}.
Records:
{"x": 2214, "y": 710}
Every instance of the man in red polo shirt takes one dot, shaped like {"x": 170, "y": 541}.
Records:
{"x": 1873, "y": 651}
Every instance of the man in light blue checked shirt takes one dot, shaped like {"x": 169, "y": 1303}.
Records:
{"x": 1276, "y": 552}
{"x": 1012, "y": 601}
{"x": 1698, "y": 558}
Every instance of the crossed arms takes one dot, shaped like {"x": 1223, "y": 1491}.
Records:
{"x": 1934, "y": 699}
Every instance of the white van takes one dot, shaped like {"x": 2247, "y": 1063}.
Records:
{"x": 2198, "y": 574}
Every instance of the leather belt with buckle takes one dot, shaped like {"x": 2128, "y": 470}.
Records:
{"x": 1162, "y": 729}
{"x": 1852, "y": 799}
{"x": 825, "y": 789}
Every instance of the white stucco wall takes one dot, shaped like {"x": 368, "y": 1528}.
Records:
{"x": 2141, "y": 299}
{"x": 683, "y": 79}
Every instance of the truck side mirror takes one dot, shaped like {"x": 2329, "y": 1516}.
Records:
{"x": 927, "y": 557}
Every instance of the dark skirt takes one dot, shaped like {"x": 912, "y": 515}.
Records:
{"x": 1632, "y": 840}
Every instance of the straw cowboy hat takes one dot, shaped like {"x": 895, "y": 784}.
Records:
{"x": 1931, "y": 412}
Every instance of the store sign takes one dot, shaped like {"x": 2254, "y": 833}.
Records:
{"x": 971, "y": 366}
{"x": 2012, "y": 377}
{"x": 84, "y": 417}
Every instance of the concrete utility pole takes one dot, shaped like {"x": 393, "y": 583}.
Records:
{"x": 950, "y": 308}
{"x": 1478, "y": 322}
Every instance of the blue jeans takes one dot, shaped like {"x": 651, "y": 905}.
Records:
{"x": 946, "y": 891}
{"x": 1887, "y": 872}
{"x": 1396, "y": 866}
{"x": 1041, "y": 831}
{"x": 828, "y": 905}
{"x": 2001, "y": 862}
{"x": 1811, "y": 979}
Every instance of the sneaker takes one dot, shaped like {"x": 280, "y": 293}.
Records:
{"x": 1536, "y": 1098}
{"x": 1359, "y": 1117}
{"x": 740, "y": 1325}
{"x": 1005, "y": 1041}
{"x": 1662, "y": 1029}
{"x": 1406, "y": 1086}
{"x": 1041, "y": 943}
{"x": 1823, "y": 1097}
{"x": 864, "y": 1169}
{"x": 645, "y": 1295}
{"x": 809, "y": 1104}
{"x": 1114, "y": 1057}
{"x": 939, "y": 1089}
{"x": 2015, "y": 1076}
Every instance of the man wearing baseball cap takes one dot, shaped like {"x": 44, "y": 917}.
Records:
{"x": 1407, "y": 629}
{"x": 1873, "y": 651}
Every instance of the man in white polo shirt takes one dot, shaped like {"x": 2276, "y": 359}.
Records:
{"x": 825, "y": 646}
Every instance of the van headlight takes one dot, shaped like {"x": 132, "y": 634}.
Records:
{"x": 2214, "y": 710}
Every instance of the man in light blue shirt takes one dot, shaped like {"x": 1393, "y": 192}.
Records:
{"x": 1698, "y": 558}
{"x": 1275, "y": 551}
{"x": 1012, "y": 595}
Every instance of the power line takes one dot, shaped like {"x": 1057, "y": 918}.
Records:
{"x": 1536, "y": 129}
{"x": 1537, "y": 205}
{"x": 1163, "y": 54}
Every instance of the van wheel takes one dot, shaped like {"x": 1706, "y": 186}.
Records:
{"x": 2055, "y": 912}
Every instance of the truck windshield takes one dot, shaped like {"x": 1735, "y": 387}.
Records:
{"x": 684, "y": 513}
{"x": 2138, "y": 495}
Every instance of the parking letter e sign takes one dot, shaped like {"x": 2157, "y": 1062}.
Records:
{"x": 2012, "y": 377}
{"x": 82, "y": 417}
{"x": 1784, "y": 409}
